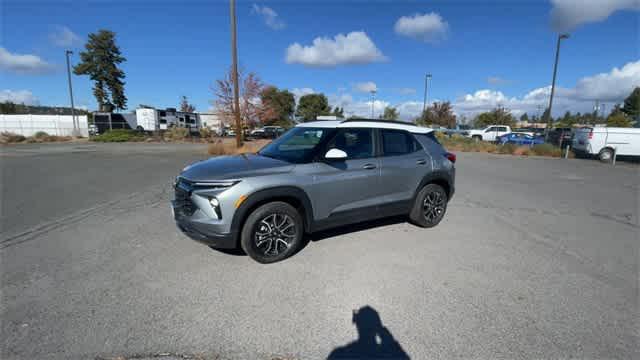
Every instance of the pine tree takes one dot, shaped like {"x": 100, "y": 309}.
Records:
{"x": 100, "y": 62}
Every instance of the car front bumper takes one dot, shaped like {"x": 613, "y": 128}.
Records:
{"x": 202, "y": 231}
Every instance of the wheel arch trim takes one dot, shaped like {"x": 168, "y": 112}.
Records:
{"x": 265, "y": 195}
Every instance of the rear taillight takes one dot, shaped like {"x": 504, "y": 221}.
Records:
{"x": 590, "y": 134}
{"x": 450, "y": 156}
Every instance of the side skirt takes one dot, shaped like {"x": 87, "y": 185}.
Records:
{"x": 363, "y": 214}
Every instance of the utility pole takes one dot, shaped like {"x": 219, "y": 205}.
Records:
{"x": 373, "y": 101}
{"x": 234, "y": 74}
{"x": 553, "y": 84}
{"x": 73, "y": 110}
{"x": 426, "y": 89}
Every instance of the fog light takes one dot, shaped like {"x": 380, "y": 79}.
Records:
{"x": 215, "y": 204}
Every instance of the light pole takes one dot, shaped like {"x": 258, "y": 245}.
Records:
{"x": 553, "y": 84}
{"x": 234, "y": 74}
{"x": 73, "y": 110}
{"x": 426, "y": 89}
{"x": 373, "y": 101}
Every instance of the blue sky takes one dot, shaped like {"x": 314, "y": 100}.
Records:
{"x": 481, "y": 53}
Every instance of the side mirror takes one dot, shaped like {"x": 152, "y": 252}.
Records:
{"x": 335, "y": 154}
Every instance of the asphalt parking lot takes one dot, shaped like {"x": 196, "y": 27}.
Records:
{"x": 536, "y": 258}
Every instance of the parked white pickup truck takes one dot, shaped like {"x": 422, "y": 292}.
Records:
{"x": 490, "y": 133}
{"x": 603, "y": 141}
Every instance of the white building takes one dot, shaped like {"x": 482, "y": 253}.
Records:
{"x": 212, "y": 121}
{"x": 28, "y": 125}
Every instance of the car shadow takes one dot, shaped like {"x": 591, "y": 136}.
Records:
{"x": 346, "y": 229}
{"x": 374, "y": 340}
{"x": 329, "y": 233}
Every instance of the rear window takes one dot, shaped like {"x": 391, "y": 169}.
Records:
{"x": 432, "y": 137}
{"x": 430, "y": 142}
{"x": 396, "y": 142}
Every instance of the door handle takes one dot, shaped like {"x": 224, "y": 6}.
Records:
{"x": 421, "y": 162}
{"x": 369, "y": 166}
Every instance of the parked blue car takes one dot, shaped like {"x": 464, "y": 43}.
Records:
{"x": 520, "y": 139}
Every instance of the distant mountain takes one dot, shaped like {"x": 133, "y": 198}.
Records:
{"x": 11, "y": 108}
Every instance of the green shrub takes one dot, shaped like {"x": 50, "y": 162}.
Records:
{"x": 119, "y": 135}
{"x": 506, "y": 149}
{"x": 40, "y": 135}
{"x": 9, "y": 137}
{"x": 546, "y": 150}
{"x": 176, "y": 133}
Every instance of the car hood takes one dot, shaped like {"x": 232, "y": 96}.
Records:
{"x": 236, "y": 166}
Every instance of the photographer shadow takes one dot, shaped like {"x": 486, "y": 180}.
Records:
{"x": 374, "y": 340}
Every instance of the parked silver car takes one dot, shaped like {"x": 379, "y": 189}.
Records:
{"x": 315, "y": 176}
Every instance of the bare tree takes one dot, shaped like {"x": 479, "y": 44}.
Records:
{"x": 250, "y": 88}
{"x": 185, "y": 106}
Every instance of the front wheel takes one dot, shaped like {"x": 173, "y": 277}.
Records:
{"x": 476, "y": 138}
{"x": 429, "y": 206}
{"x": 272, "y": 232}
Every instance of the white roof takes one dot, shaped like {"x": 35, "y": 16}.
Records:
{"x": 366, "y": 124}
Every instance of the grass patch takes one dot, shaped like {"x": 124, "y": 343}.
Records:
{"x": 119, "y": 135}
{"x": 11, "y": 138}
{"x": 465, "y": 144}
{"x": 38, "y": 137}
{"x": 222, "y": 147}
{"x": 176, "y": 134}
{"x": 546, "y": 150}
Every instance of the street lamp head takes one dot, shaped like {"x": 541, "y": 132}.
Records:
{"x": 428, "y": 76}
{"x": 564, "y": 36}
{"x": 69, "y": 52}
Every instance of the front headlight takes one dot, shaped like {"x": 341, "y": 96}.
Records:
{"x": 216, "y": 184}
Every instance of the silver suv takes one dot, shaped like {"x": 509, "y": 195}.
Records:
{"x": 317, "y": 175}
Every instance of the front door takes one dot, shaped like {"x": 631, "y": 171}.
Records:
{"x": 345, "y": 190}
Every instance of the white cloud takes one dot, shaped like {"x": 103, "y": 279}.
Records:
{"x": 612, "y": 87}
{"x": 429, "y": 27}
{"x": 405, "y": 91}
{"x": 568, "y": 14}
{"x": 353, "y": 48}
{"x": 270, "y": 17}
{"x": 496, "y": 80}
{"x": 23, "y": 64}
{"x": 18, "y": 97}
{"x": 298, "y": 92}
{"x": 62, "y": 36}
{"x": 366, "y": 87}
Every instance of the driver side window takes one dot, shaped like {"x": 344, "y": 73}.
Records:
{"x": 357, "y": 143}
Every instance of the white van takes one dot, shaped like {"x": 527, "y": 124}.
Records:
{"x": 603, "y": 141}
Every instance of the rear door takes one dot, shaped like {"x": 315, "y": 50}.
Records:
{"x": 581, "y": 139}
{"x": 403, "y": 164}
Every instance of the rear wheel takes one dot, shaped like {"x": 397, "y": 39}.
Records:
{"x": 606, "y": 155}
{"x": 429, "y": 206}
{"x": 272, "y": 232}
{"x": 476, "y": 138}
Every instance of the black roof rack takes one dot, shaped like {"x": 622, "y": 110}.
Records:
{"x": 380, "y": 121}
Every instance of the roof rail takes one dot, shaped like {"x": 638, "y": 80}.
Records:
{"x": 380, "y": 121}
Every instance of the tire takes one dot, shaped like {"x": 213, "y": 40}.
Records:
{"x": 606, "y": 155}
{"x": 272, "y": 232}
{"x": 476, "y": 138}
{"x": 434, "y": 197}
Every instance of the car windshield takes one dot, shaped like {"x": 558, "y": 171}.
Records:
{"x": 296, "y": 145}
